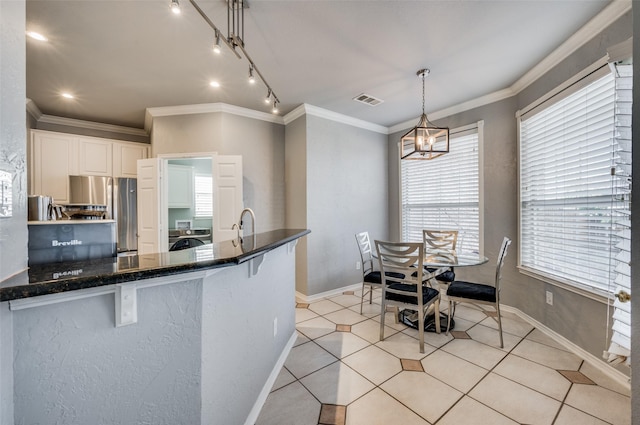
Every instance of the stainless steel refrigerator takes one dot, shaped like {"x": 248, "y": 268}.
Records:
{"x": 119, "y": 194}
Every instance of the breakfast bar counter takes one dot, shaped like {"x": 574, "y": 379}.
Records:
{"x": 150, "y": 339}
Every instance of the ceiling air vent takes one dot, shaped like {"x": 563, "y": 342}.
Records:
{"x": 368, "y": 100}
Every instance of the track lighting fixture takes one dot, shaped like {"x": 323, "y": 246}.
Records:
{"x": 175, "y": 7}
{"x": 252, "y": 79}
{"x": 216, "y": 46}
{"x": 275, "y": 107}
{"x": 268, "y": 98}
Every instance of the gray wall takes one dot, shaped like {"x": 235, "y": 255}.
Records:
{"x": 260, "y": 143}
{"x": 13, "y": 136}
{"x": 577, "y": 318}
{"x": 347, "y": 193}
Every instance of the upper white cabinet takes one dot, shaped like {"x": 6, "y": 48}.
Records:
{"x": 180, "y": 186}
{"x": 126, "y": 156}
{"x": 53, "y": 157}
{"x": 95, "y": 157}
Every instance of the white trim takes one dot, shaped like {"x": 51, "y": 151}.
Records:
{"x": 602, "y": 20}
{"x": 266, "y": 388}
{"x": 42, "y": 300}
{"x": 333, "y": 116}
{"x": 603, "y": 367}
{"x": 204, "y": 108}
{"x": 33, "y": 109}
{"x": 300, "y": 297}
{"x": 90, "y": 125}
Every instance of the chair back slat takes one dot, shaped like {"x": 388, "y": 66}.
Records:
{"x": 364, "y": 245}
{"x": 440, "y": 240}
{"x": 404, "y": 258}
{"x": 501, "y": 256}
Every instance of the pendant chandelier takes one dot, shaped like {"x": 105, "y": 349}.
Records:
{"x": 425, "y": 140}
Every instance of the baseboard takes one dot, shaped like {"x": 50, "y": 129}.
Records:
{"x": 577, "y": 350}
{"x": 311, "y": 298}
{"x": 266, "y": 389}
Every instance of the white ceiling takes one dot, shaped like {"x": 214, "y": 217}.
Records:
{"x": 121, "y": 57}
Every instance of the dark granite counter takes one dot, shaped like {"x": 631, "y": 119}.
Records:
{"x": 53, "y": 278}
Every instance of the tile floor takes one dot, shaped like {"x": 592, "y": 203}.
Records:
{"x": 338, "y": 372}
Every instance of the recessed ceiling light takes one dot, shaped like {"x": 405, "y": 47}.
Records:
{"x": 214, "y": 84}
{"x": 67, "y": 95}
{"x": 37, "y": 36}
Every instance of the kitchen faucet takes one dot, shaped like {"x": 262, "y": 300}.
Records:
{"x": 239, "y": 225}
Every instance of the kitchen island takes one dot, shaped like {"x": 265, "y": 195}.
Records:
{"x": 186, "y": 337}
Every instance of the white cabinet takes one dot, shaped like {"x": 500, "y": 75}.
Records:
{"x": 126, "y": 156}
{"x": 180, "y": 186}
{"x": 95, "y": 157}
{"x": 53, "y": 159}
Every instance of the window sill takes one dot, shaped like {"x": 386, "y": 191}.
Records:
{"x": 594, "y": 294}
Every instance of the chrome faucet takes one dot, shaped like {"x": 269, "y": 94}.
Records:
{"x": 239, "y": 226}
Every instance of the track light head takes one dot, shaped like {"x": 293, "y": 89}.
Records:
{"x": 268, "y": 98}
{"x": 275, "y": 107}
{"x": 175, "y": 7}
{"x": 252, "y": 79}
{"x": 216, "y": 46}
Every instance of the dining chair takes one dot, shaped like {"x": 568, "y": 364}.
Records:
{"x": 478, "y": 293}
{"x": 406, "y": 283}
{"x": 441, "y": 241}
{"x": 370, "y": 277}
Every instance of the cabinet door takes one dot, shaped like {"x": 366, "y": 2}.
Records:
{"x": 180, "y": 186}
{"x": 227, "y": 176}
{"x": 126, "y": 156}
{"x": 94, "y": 157}
{"x": 53, "y": 159}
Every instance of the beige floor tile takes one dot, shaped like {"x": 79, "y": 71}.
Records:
{"x": 374, "y": 364}
{"x": 404, "y": 347}
{"x": 548, "y": 356}
{"x": 431, "y": 338}
{"x": 337, "y": 384}
{"x": 510, "y": 324}
{"x": 370, "y": 330}
{"x": 379, "y": 408}
{"x": 600, "y": 402}
{"x": 490, "y": 336}
{"x": 315, "y": 328}
{"x": 303, "y": 314}
{"x": 389, "y": 320}
{"x": 346, "y": 300}
{"x": 600, "y": 378}
{"x": 469, "y": 313}
{"x": 515, "y": 401}
{"x": 462, "y": 324}
{"x": 570, "y": 416}
{"x": 475, "y": 352}
{"x": 535, "y": 376}
{"x": 291, "y": 405}
{"x": 452, "y": 370}
{"x": 284, "y": 378}
{"x": 368, "y": 310}
{"x": 300, "y": 339}
{"x": 538, "y": 336}
{"x": 345, "y": 317}
{"x": 422, "y": 393}
{"x": 341, "y": 344}
{"x": 324, "y": 306}
{"x": 469, "y": 412}
{"x": 307, "y": 358}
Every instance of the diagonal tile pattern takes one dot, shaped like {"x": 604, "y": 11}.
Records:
{"x": 339, "y": 372}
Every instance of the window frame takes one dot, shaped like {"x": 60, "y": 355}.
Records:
{"x": 563, "y": 90}
{"x": 458, "y": 131}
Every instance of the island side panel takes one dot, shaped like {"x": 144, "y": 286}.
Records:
{"x": 72, "y": 365}
{"x": 239, "y": 349}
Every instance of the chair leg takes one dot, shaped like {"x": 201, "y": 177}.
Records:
{"x": 370, "y": 295}
{"x": 382, "y": 317}
{"x": 499, "y": 324}
{"x": 452, "y": 307}
{"x": 421, "y": 328}
{"x": 436, "y": 312}
{"x": 362, "y": 297}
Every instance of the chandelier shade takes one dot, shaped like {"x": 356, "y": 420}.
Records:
{"x": 425, "y": 140}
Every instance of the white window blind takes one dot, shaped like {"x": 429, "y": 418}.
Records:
{"x": 203, "y": 195}
{"x": 566, "y": 191}
{"x": 443, "y": 193}
{"x": 620, "y": 347}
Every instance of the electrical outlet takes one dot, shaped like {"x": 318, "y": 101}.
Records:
{"x": 549, "y": 297}
{"x": 275, "y": 326}
{"x": 357, "y": 265}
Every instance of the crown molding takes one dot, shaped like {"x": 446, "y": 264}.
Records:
{"x": 602, "y": 20}
{"x": 33, "y": 109}
{"x": 204, "y": 108}
{"x": 90, "y": 125}
{"x": 333, "y": 116}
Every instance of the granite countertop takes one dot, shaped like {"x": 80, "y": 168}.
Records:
{"x": 54, "y": 278}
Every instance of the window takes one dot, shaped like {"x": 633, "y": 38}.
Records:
{"x": 567, "y": 187}
{"x": 203, "y": 195}
{"x": 443, "y": 193}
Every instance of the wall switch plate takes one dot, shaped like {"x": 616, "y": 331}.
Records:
{"x": 357, "y": 265}
{"x": 275, "y": 326}
{"x": 549, "y": 297}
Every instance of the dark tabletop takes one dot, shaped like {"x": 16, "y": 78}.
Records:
{"x": 70, "y": 276}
